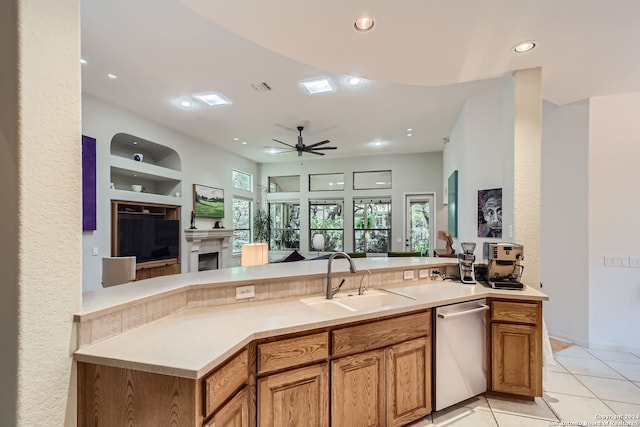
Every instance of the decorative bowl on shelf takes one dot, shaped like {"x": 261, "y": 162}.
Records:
{"x": 136, "y": 187}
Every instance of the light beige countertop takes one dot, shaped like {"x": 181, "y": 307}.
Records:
{"x": 192, "y": 342}
{"x": 104, "y": 299}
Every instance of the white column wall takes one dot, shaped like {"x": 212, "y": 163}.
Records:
{"x": 40, "y": 146}
{"x": 614, "y": 228}
{"x": 564, "y": 219}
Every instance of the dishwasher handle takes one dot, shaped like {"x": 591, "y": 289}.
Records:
{"x": 482, "y": 307}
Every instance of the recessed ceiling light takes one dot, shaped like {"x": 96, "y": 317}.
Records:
{"x": 236, "y": 139}
{"x": 112, "y": 76}
{"x": 272, "y": 150}
{"x": 409, "y": 130}
{"x": 340, "y": 182}
{"x": 355, "y": 81}
{"x": 318, "y": 85}
{"x": 83, "y": 61}
{"x": 380, "y": 183}
{"x": 244, "y": 142}
{"x": 186, "y": 103}
{"x": 212, "y": 98}
{"x": 364, "y": 23}
{"x": 409, "y": 134}
{"x": 134, "y": 142}
{"x": 524, "y": 46}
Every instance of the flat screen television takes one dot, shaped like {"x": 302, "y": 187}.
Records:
{"x": 148, "y": 239}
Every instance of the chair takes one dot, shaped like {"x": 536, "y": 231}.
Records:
{"x": 399, "y": 254}
{"x": 118, "y": 270}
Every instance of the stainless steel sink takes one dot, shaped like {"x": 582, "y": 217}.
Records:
{"x": 352, "y": 302}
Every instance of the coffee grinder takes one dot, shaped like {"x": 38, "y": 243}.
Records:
{"x": 465, "y": 263}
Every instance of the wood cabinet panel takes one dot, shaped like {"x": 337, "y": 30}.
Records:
{"x": 358, "y": 390}
{"x": 516, "y": 359}
{"x": 299, "y": 397}
{"x": 408, "y": 370}
{"x": 517, "y": 312}
{"x": 380, "y": 333}
{"x": 292, "y": 352}
{"x": 118, "y": 397}
{"x": 225, "y": 381}
{"x": 233, "y": 414}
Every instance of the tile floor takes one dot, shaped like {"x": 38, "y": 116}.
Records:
{"x": 583, "y": 385}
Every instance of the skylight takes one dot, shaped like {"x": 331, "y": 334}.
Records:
{"x": 212, "y": 98}
{"x": 318, "y": 85}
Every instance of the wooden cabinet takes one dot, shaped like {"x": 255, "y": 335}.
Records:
{"x": 233, "y": 414}
{"x": 168, "y": 238}
{"x": 408, "y": 375}
{"x": 358, "y": 390}
{"x": 390, "y": 386}
{"x": 515, "y": 345}
{"x": 299, "y": 397}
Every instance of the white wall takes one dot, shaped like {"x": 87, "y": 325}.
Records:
{"x": 411, "y": 173}
{"x": 40, "y": 164}
{"x": 614, "y": 228}
{"x": 480, "y": 148}
{"x": 564, "y": 218}
{"x": 202, "y": 163}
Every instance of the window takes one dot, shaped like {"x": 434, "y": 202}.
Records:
{"x": 371, "y": 225}
{"x": 242, "y": 181}
{"x": 284, "y": 184}
{"x": 325, "y": 217}
{"x": 285, "y": 226}
{"x": 326, "y": 182}
{"x": 371, "y": 180}
{"x": 242, "y": 215}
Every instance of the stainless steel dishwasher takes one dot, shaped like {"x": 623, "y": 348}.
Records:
{"x": 460, "y": 356}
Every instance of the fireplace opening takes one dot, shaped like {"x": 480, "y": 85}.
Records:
{"x": 208, "y": 261}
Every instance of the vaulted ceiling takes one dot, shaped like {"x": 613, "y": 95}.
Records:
{"x": 420, "y": 62}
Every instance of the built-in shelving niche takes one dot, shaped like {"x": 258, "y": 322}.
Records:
{"x": 159, "y": 172}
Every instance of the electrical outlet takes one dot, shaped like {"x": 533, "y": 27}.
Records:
{"x": 95, "y": 251}
{"x": 244, "y": 292}
{"x": 634, "y": 261}
{"x": 616, "y": 261}
{"x": 423, "y": 273}
{"x": 408, "y": 274}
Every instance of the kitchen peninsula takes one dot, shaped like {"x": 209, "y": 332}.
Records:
{"x": 179, "y": 350}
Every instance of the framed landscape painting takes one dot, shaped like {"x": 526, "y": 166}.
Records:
{"x": 208, "y": 202}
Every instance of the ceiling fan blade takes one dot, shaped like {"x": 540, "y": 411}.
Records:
{"x": 326, "y": 141}
{"x": 288, "y": 145}
{"x": 325, "y": 148}
{"x": 313, "y": 152}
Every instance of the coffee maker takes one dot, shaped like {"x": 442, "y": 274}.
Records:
{"x": 465, "y": 262}
{"x": 504, "y": 270}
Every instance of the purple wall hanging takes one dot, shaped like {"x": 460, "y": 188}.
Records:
{"x": 88, "y": 183}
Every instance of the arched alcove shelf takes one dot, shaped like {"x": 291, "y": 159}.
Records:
{"x": 155, "y": 168}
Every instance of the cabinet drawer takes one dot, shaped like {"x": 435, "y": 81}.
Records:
{"x": 222, "y": 383}
{"x": 518, "y": 312}
{"x": 380, "y": 333}
{"x": 292, "y": 352}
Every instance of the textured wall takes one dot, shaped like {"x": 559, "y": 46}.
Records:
{"x": 42, "y": 141}
{"x": 526, "y": 172}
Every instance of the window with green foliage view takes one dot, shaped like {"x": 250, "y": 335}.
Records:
{"x": 285, "y": 226}
{"x": 241, "y": 213}
{"x": 371, "y": 225}
{"x": 326, "y": 218}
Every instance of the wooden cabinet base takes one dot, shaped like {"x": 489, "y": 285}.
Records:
{"x": 116, "y": 397}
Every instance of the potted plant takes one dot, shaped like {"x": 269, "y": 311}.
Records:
{"x": 261, "y": 226}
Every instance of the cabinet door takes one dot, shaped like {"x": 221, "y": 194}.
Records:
{"x": 295, "y": 398}
{"x": 233, "y": 414}
{"x": 357, "y": 390}
{"x": 516, "y": 359}
{"x": 408, "y": 368}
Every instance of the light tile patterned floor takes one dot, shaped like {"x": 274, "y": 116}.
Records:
{"x": 583, "y": 386}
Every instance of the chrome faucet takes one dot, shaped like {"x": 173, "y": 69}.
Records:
{"x": 331, "y": 291}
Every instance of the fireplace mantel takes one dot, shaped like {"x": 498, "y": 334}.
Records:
{"x": 205, "y": 241}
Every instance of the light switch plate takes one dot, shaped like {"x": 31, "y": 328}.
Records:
{"x": 634, "y": 261}
{"x": 243, "y": 292}
{"x": 616, "y": 261}
{"x": 408, "y": 274}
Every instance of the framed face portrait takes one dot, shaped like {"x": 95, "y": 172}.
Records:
{"x": 490, "y": 213}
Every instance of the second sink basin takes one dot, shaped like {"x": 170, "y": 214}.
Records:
{"x": 352, "y": 302}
